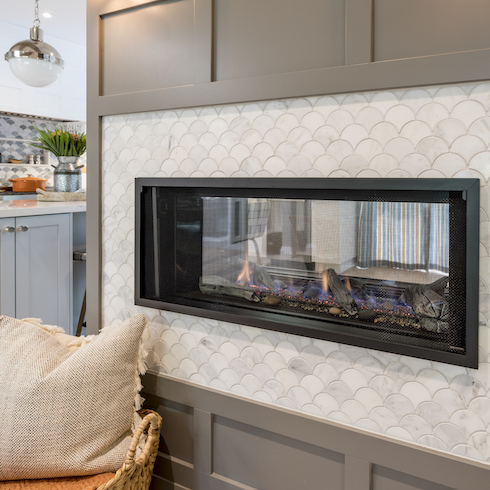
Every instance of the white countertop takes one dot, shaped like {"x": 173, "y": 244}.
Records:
{"x": 32, "y": 207}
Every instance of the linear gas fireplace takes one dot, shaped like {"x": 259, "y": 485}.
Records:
{"x": 387, "y": 264}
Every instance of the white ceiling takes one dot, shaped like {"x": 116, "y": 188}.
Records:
{"x": 68, "y": 23}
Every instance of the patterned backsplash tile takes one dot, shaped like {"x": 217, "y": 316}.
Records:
{"x": 427, "y": 132}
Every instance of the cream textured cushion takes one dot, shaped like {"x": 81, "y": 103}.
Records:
{"x": 65, "y": 412}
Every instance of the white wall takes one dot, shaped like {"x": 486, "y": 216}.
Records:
{"x": 65, "y": 99}
{"x": 430, "y": 132}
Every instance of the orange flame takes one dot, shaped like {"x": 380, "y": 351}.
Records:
{"x": 325, "y": 281}
{"x": 244, "y": 277}
{"x": 347, "y": 284}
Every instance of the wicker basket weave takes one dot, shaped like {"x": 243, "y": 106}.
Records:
{"x": 135, "y": 474}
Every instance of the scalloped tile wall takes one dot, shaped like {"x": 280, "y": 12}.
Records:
{"x": 428, "y": 132}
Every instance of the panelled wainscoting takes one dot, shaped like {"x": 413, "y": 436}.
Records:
{"x": 217, "y": 441}
{"x": 441, "y": 131}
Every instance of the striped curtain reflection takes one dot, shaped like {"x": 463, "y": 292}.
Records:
{"x": 404, "y": 235}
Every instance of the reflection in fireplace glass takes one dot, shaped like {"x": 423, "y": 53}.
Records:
{"x": 386, "y": 262}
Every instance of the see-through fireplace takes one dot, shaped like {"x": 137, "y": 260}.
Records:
{"x": 387, "y": 264}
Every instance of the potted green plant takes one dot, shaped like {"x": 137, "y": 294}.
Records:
{"x": 67, "y": 145}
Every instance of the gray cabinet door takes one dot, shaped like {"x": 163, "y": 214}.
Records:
{"x": 43, "y": 265}
{"x": 7, "y": 266}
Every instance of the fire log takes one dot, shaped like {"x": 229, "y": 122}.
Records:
{"x": 339, "y": 290}
{"x": 431, "y": 308}
{"x": 219, "y": 286}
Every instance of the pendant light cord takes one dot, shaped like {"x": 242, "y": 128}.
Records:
{"x": 37, "y": 22}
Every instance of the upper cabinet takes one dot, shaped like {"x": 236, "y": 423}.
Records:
{"x": 148, "y": 55}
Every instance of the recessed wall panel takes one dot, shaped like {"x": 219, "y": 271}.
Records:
{"x": 147, "y": 48}
{"x": 253, "y": 37}
{"x": 262, "y": 459}
{"x": 411, "y": 28}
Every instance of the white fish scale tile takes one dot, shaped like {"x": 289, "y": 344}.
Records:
{"x": 432, "y": 380}
{"x": 327, "y": 403}
{"x": 399, "y": 433}
{"x": 353, "y": 379}
{"x": 481, "y": 129}
{"x": 468, "y": 422}
{"x": 340, "y": 120}
{"x": 368, "y": 149}
{"x": 312, "y": 385}
{"x": 326, "y": 164}
{"x": 449, "y": 434}
{"x": 415, "y": 392}
{"x": 274, "y": 389}
{"x": 467, "y": 387}
{"x": 312, "y": 355}
{"x": 481, "y": 442}
{"x": 353, "y": 164}
{"x": 299, "y": 367}
{"x": 432, "y": 413}
{"x": 399, "y": 148}
{"x": 450, "y": 96}
{"x": 384, "y": 101}
{"x": 383, "y": 133}
{"x": 369, "y": 425}
{"x": 481, "y": 163}
{"x": 437, "y": 131}
{"x": 399, "y": 405}
{"x": 262, "y": 372}
{"x": 416, "y": 426}
{"x": 467, "y": 451}
{"x": 449, "y": 400}
{"x": 383, "y": 164}
{"x": 416, "y": 131}
{"x": 399, "y": 116}
{"x": 312, "y": 150}
{"x": 354, "y": 410}
{"x": 468, "y": 112}
{"x": 384, "y": 418}
{"x": 432, "y": 113}
{"x": 467, "y": 146}
{"x": 383, "y": 385}
{"x": 449, "y": 164}
{"x": 287, "y": 379}
{"x": 368, "y": 117}
{"x": 326, "y": 105}
{"x": 240, "y": 366}
{"x": 434, "y": 442}
{"x": 251, "y": 356}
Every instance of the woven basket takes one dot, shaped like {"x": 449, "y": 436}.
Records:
{"x": 135, "y": 474}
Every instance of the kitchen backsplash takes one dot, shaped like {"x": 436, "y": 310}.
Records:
{"x": 427, "y": 132}
{"x": 16, "y": 136}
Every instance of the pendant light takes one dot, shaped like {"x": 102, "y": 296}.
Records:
{"x": 33, "y": 61}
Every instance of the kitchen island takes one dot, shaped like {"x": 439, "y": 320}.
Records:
{"x": 37, "y": 275}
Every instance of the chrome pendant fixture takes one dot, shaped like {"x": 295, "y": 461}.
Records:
{"x": 33, "y": 61}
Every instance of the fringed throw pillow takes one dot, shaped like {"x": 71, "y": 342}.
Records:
{"x": 67, "y": 411}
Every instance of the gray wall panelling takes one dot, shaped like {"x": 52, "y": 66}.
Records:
{"x": 194, "y": 416}
{"x": 234, "y": 443}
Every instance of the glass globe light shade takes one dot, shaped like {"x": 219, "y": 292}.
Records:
{"x": 35, "y": 62}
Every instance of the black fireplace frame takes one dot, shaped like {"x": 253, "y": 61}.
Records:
{"x": 387, "y": 189}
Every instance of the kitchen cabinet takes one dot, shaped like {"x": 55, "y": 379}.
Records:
{"x": 36, "y": 268}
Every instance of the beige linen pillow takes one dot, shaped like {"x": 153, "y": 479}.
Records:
{"x": 65, "y": 412}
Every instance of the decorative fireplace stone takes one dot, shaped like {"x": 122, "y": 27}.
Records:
{"x": 388, "y": 264}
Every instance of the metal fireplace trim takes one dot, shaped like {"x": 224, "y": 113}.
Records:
{"x": 386, "y": 189}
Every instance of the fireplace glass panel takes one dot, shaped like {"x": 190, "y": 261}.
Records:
{"x": 370, "y": 269}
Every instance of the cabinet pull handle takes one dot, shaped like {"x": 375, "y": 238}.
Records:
{"x": 23, "y": 228}
{"x": 9, "y": 229}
